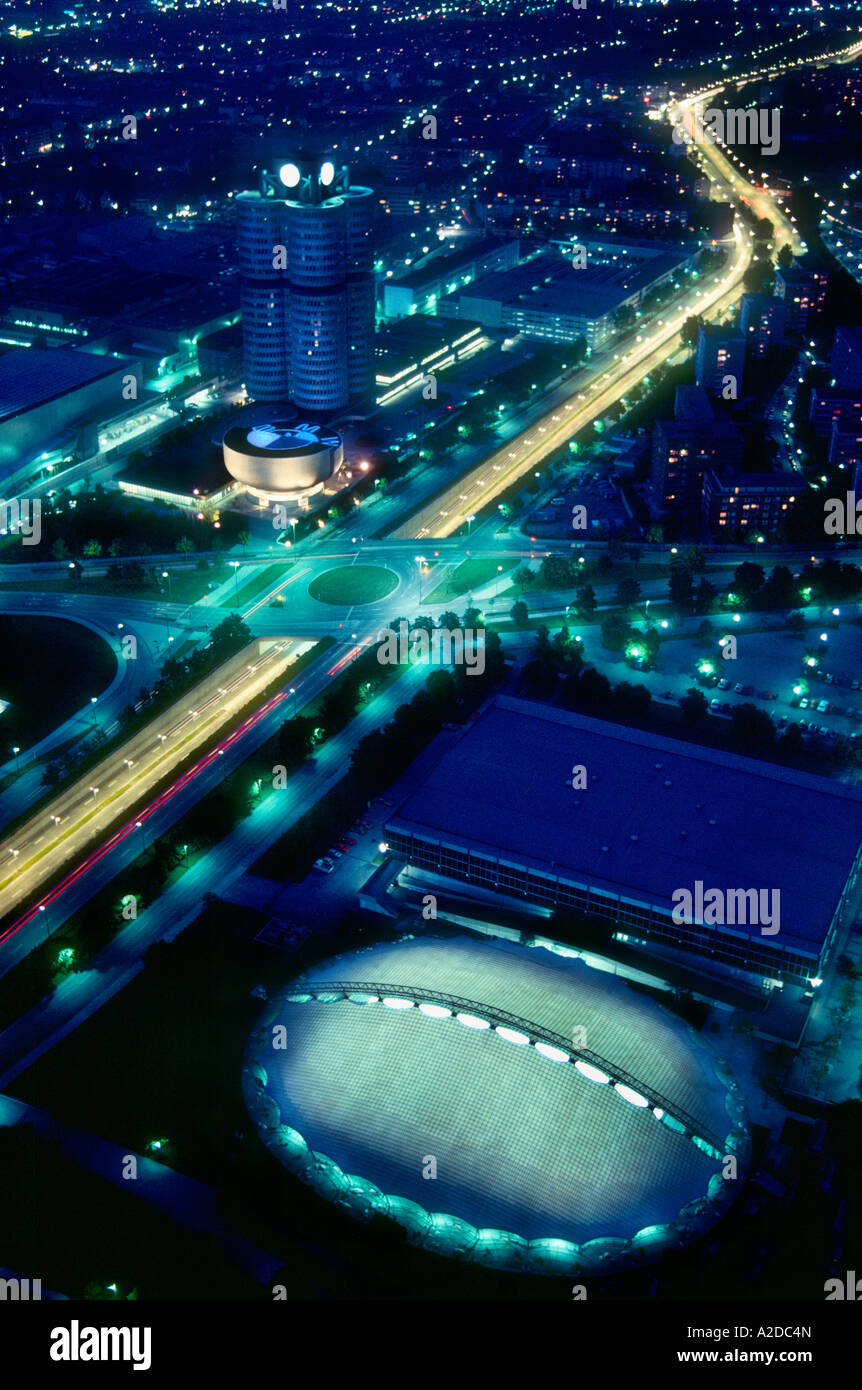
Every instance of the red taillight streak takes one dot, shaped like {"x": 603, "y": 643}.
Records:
{"x": 96, "y": 855}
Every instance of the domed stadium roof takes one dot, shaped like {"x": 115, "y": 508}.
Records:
{"x": 282, "y": 460}
{"x": 510, "y": 1106}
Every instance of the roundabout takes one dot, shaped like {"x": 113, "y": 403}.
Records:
{"x": 349, "y": 585}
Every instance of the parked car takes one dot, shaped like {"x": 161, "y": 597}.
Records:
{"x": 723, "y": 683}
{"x": 348, "y": 840}
{"x": 737, "y": 689}
{"x": 823, "y": 706}
{"x": 748, "y": 690}
{"x": 803, "y": 703}
{"x": 324, "y": 866}
{"x": 334, "y": 853}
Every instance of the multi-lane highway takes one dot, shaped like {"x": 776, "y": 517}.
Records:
{"x": 605, "y": 385}
{"x": 63, "y": 829}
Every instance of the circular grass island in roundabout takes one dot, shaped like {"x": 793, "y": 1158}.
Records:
{"x": 350, "y": 584}
{"x": 436, "y": 1082}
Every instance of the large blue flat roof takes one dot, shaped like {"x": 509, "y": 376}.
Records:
{"x": 657, "y": 813}
{"x": 31, "y": 377}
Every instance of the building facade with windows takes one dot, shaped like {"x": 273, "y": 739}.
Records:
{"x": 499, "y": 812}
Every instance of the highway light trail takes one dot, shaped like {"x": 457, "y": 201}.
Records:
{"x": 142, "y": 816}
{"x": 478, "y": 488}
{"x": 347, "y": 658}
{"x": 272, "y": 593}
{"x": 75, "y": 818}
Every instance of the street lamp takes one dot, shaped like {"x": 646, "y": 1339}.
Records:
{"x": 470, "y": 520}
{"x": 420, "y": 560}
{"x": 166, "y": 575}
{"x": 234, "y": 564}
{"x": 293, "y": 693}
{"x": 16, "y": 751}
{"x": 94, "y": 700}
{"x": 497, "y": 581}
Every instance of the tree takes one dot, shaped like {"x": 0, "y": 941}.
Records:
{"x": 747, "y": 579}
{"x": 542, "y": 643}
{"x": 448, "y": 621}
{"x": 337, "y": 709}
{"x": 585, "y": 601}
{"x": 615, "y": 632}
{"x": 229, "y": 635}
{"x": 604, "y": 564}
{"x": 681, "y": 590}
{"x": 295, "y": 741}
{"x": 703, "y": 596}
{"x": 628, "y": 592}
{"x": 688, "y": 332}
{"x": 632, "y": 701}
{"x": 785, "y": 257}
{"x": 594, "y": 689}
{"x": 519, "y": 612}
{"x": 752, "y": 726}
{"x": 694, "y": 705}
{"x": 652, "y": 643}
{"x": 779, "y": 591}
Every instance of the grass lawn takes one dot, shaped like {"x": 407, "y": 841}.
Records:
{"x": 351, "y": 584}
{"x": 50, "y": 668}
{"x": 183, "y": 1030}
{"x": 470, "y": 574}
{"x": 187, "y": 586}
{"x": 256, "y": 586}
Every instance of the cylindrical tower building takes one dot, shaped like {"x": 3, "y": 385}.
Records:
{"x": 359, "y": 215}
{"x": 306, "y": 263}
{"x": 264, "y": 296}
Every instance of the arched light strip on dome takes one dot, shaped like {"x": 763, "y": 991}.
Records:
{"x": 511, "y": 1035}
{"x": 327, "y": 173}
{"x": 549, "y": 1050}
{"x": 326, "y": 996}
{"x": 706, "y": 1147}
{"x": 364, "y": 998}
{"x": 633, "y": 1097}
{"x": 592, "y": 1073}
{"x": 289, "y": 175}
